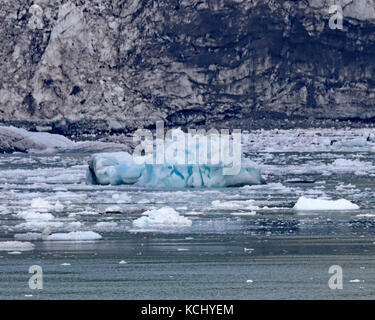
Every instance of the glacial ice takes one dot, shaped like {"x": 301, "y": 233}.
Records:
{"x": 74, "y": 236}
{"x": 71, "y": 236}
{"x": 234, "y": 205}
{"x": 161, "y": 218}
{"x": 40, "y": 210}
{"x": 121, "y": 168}
{"x": 304, "y": 203}
{"x": 16, "y": 245}
{"x": 18, "y": 139}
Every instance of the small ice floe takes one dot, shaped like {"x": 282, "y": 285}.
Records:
{"x": 348, "y": 165}
{"x": 122, "y": 262}
{"x": 113, "y": 209}
{"x": 16, "y": 246}
{"x": 162, "y": 218}
{"x": 365, "y": 215}
{"x": 105, "y": 226}
{"x": 320, "y": 204}
{"x": 358, "y": 142}
{"x": 41, "y": 205}
{"x": 37, "y": 226}
{"x": 355, "y": 280}
{"x": 15, "y": 252}
{"x": 324, "y": 141}
{"x": 121, "y": 198}
{"x": 40, "y": 210}
{"x": 65, "y": 264}
{"x": 232, "y": 205}
{"x": 182, "y": 249}
{"x": 74, "y": 236}
{"x": 28, "y": 295}
{"x": 58, "y": 206}
{"x": 193, "y": 213}
{"x": 182, "y": 208}
{"x": 73, "y": 226}
{"x": 249, "y": 281}
{"x": 28, "y": 236}
{"x": 32, "y": 215}
{"x": 250, "y": 250}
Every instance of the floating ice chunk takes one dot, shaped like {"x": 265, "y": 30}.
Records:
{"x": 35, "y": 216}
{"x": 120, "y": 168}
{"x": 122, "y": 262}
{"x": 232, "y": 205}
{"x": 29, "y": 236}
{"x": 105, "y": 226}
{"x": 65, "y": 264}
{"x": 16, "y": 246}
{"x": 38, "y": 225}
{"x": 121, "y": 198}
{"x": 74, "y": 236}
{"x": 17, "y": 139}
{"x": 39, "y": 210}
{"x": 320, "y": 204}
{"x": 358, "y": 142}
{"x": 12, "y": 139}
{"x": 41, "y": 205}
{"x": 73, "y": 226}
{"x": 249, "y": 281}
{"x": 162, "y": 218}
{"x": 355, "y": 280}
{"x": 113, "y": 209}
{"x": 347, "y": 165}
{"x": 365, "y": 215}
{"x": 59, "y": 206}
{"x": 113, "y": 168}
{"x": 193, "y": 213}
{"x": 324, "y": 141}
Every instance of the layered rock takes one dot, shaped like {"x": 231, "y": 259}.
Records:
{"x": 119, "y": 65}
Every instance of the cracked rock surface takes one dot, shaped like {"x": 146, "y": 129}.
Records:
{"x": 119, "y": 65}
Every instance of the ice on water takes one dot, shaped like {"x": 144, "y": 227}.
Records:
{"x": 175, "y": 171}
{"x": 304, "y": 203}
{"x": 162, "y": 218}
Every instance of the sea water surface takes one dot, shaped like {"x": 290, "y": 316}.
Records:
{"x": 243, "y": 243}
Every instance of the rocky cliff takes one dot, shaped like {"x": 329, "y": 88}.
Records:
{"x": 84, "y": 65}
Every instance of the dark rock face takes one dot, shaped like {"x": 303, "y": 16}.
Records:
{"x": 207, "y": 62}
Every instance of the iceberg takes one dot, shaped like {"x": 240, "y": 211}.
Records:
{"x": 175, "y": 164}
{"x": 120, "y": 168}
{"x": 304, "y": 203}
{"x": 14, "y": 139}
